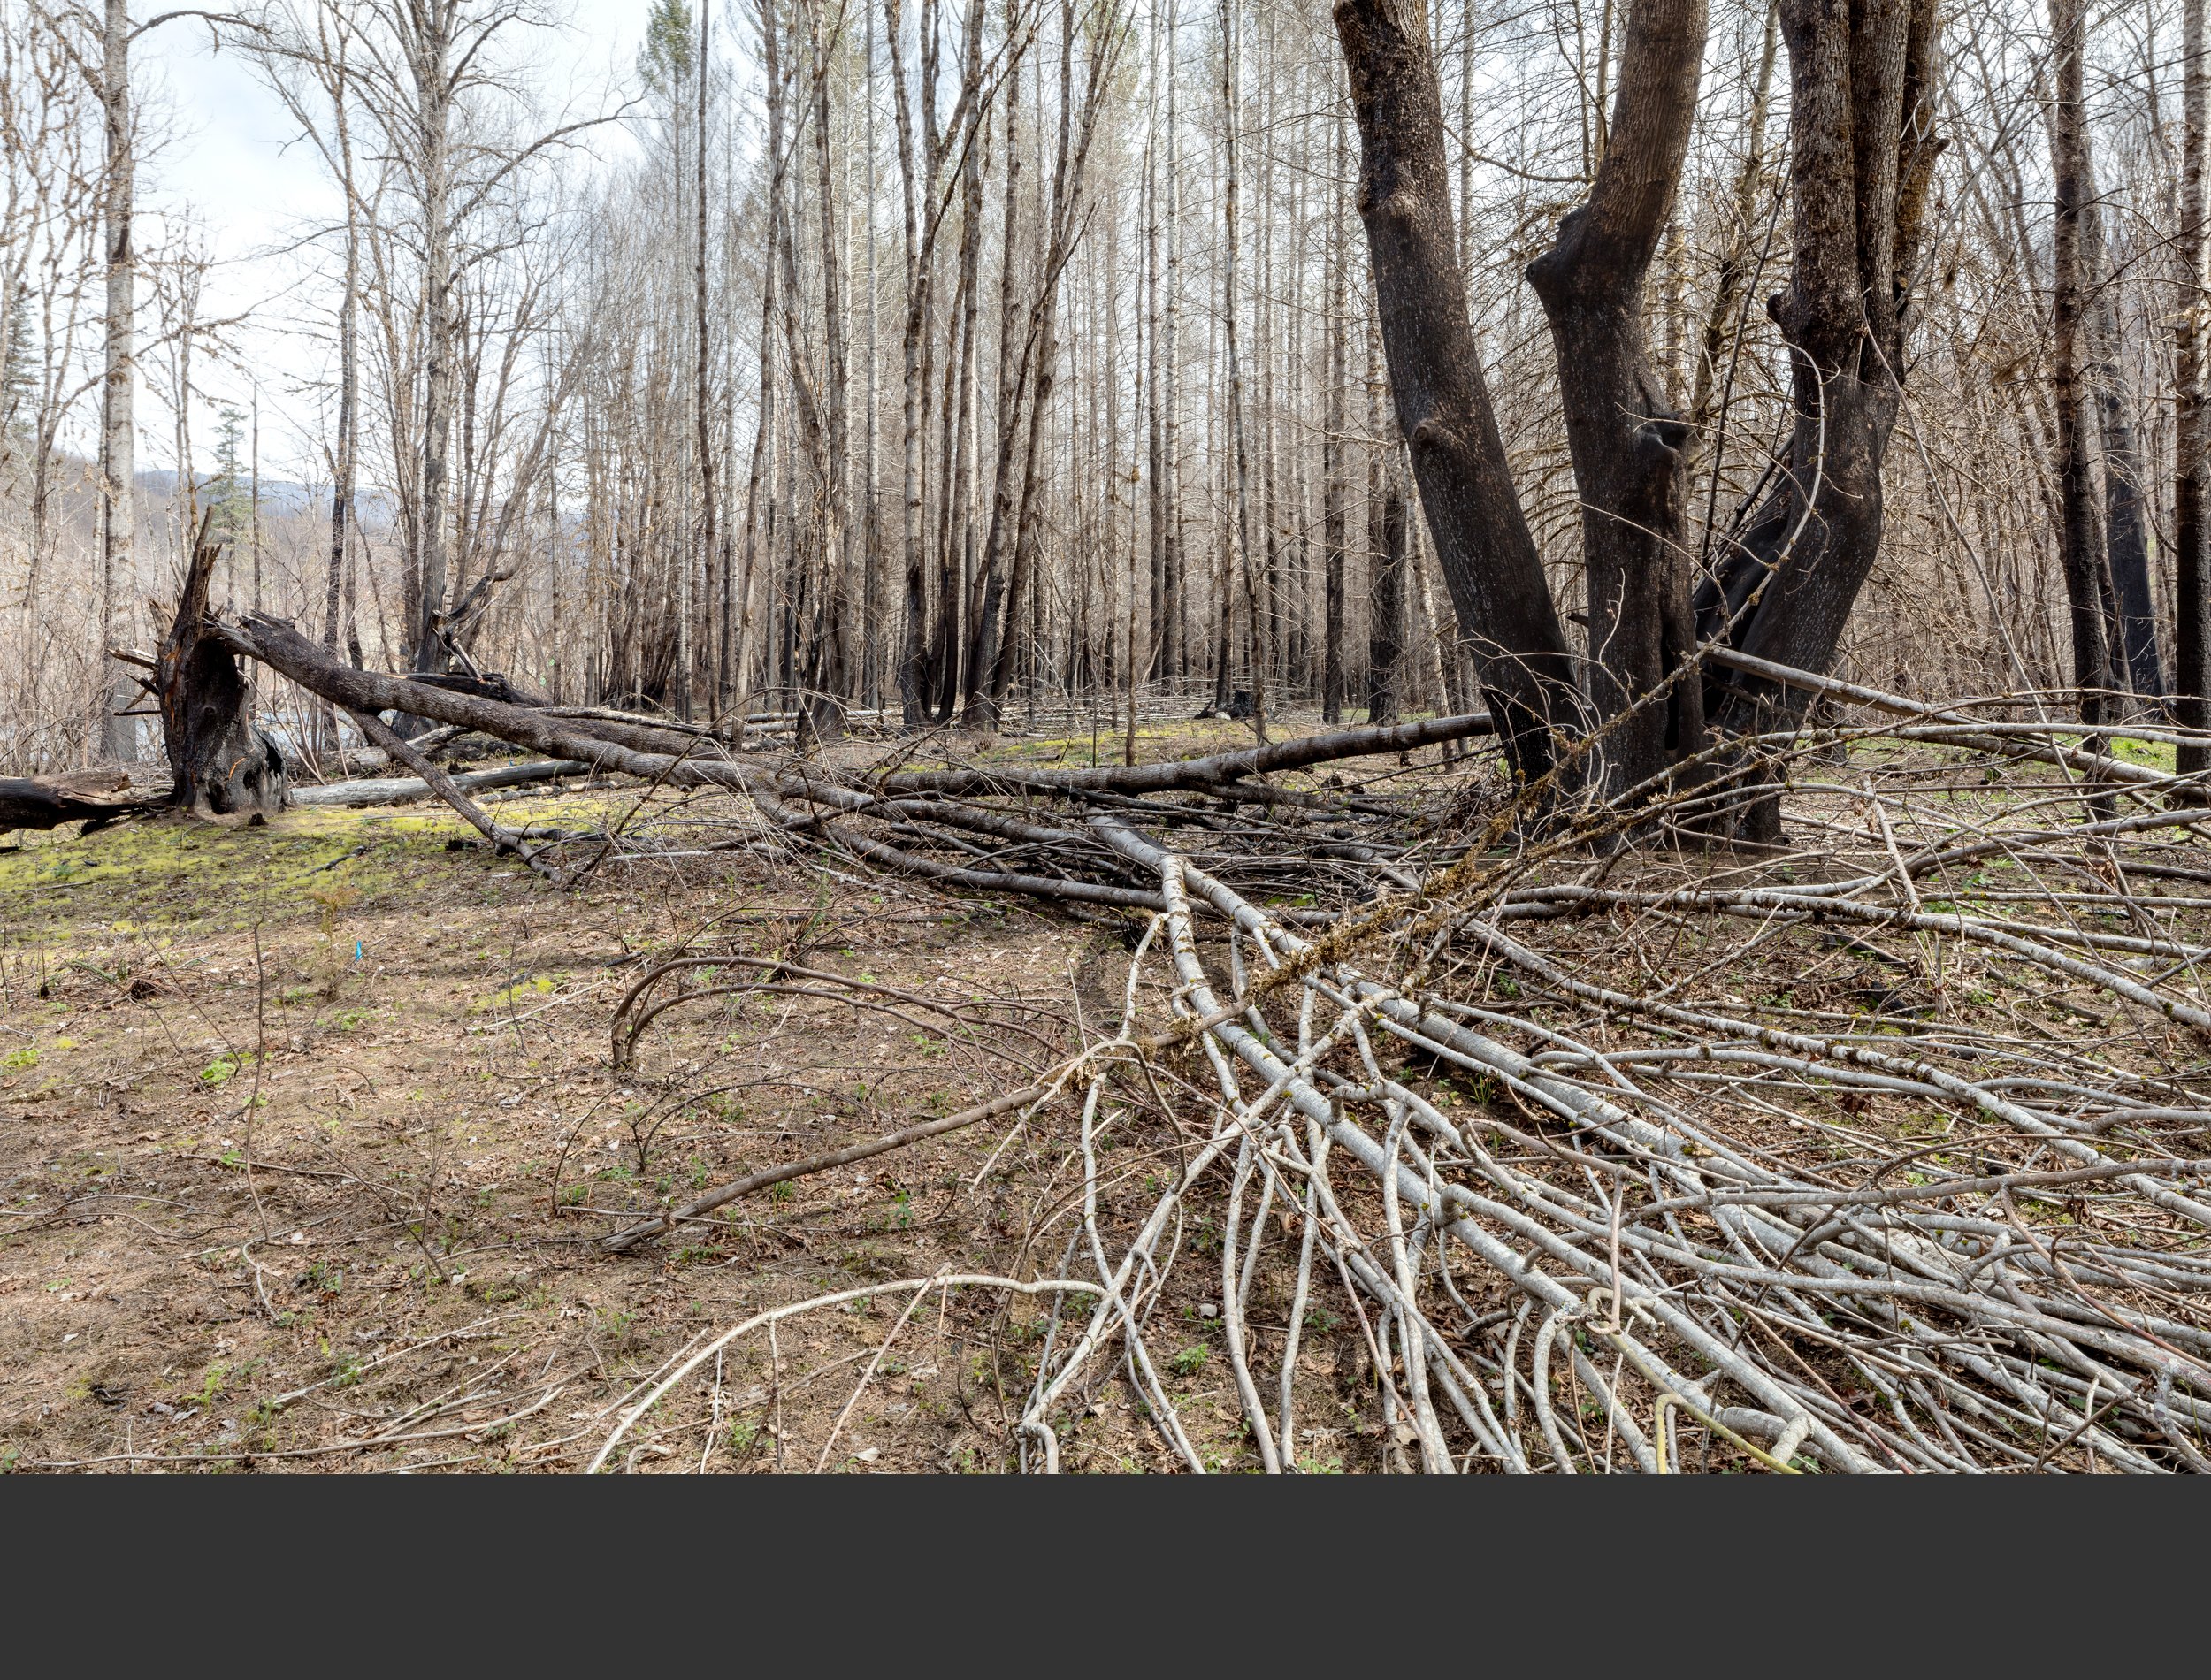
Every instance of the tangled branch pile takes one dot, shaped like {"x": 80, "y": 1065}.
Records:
{"x": 1880, "y": 1153}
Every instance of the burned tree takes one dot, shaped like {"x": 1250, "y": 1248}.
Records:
{"x": 1625, "y": 437}
{"x": 219, "y": 763}
{"x": 1482, "y": 540}
{"x": 1863, "y": 150}
{"x": 1862, "y": 153}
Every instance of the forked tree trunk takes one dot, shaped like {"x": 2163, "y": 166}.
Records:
{"x": 219, "y": 764}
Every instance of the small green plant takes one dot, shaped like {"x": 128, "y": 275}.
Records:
{"x": 1190, "y": 1362}
{"x": 744, "y": 1437}
{"x": 15, "y": 1059}
{"x": 224, "y": 1068}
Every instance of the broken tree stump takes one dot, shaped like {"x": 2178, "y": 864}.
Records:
{"x": 219, "y": 763}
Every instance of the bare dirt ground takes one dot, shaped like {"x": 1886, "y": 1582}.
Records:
{"x": 308, "y": 1133}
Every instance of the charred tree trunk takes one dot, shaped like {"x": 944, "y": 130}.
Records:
{"x": 1625, "y": 438}
{"x": 1861, "y": 151}
{"x": 1332, "y": 469}
{"x": 219, "y": 764}
{"x": 1482, "y": 538}
{"x": 2191, "y": 644}
{"x": 1386, "y": 632}
{"x": 2080, "y": 536}
{"x": 95, "y": 799}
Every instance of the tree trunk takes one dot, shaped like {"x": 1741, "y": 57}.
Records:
{"x": 1861, "y": 151}
{"x": 701, "y": 397}
{"x": 1482, "y": 541}
{"x": 118, "y": 494}
{"x": 219, "y": 764}
{"x": 430, "y": 45}
{"x": 1386, "y": 621}
{"x": 1624, "y": 436}
{"x": 2134, "y": 659}
{"x": 2080, "y": 536}
{"x": 1332, "y": 441}
{"x": 2191, "y": 648}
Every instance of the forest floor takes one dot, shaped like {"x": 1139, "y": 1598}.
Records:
{"x": 303, "y": 1128}
{"x": 311, "y": 1131}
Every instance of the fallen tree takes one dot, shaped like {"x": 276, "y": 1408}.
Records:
{"x": 96, "y": 798}
{"x": 401, "y": 790}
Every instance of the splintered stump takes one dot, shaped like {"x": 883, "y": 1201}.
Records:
{"x": 219, "y": 763}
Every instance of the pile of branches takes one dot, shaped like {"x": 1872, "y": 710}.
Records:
{"x": 1567, "y": 1112}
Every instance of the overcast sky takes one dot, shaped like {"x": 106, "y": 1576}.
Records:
{"x": 229, "y": 163}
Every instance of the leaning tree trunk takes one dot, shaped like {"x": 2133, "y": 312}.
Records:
{"x": 219, "y": 764}
{"x": 1625, "y": 439}
{"x": 1862, "y": 152}
{"x": 1482, "y": 540}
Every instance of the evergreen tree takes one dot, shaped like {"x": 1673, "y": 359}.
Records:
{"x": 670, "y": 45}
{"x": 227, "y": 493}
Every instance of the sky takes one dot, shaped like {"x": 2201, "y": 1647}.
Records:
{"x": 231, "y": 163}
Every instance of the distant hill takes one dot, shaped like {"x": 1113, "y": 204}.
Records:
{"x": 279, "y": 497}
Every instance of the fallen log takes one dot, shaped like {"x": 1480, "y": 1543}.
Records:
{"x": 1186, "y": 776}
{"x": 95, "y": 800}
{"x": 699, "y": 763}
{"x": 401, "y": 790}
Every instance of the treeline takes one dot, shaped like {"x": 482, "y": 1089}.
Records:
{"x": 936, "y": 356}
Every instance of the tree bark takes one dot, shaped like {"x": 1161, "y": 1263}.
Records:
{"x": 1624, "y": 436}
{"x": 1332, "y": 472}
{"x": 1386, "y": 609}
{"x": 1861, "y": 151}
{"x": 2080, "y": 535}
{"x": 119, "y": 494}
{"x": 1482, "y": 540}
{"x": 429, "y": 45}
{"x": 2191, "y": 643}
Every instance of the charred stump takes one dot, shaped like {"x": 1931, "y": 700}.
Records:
{"x": 219, "y": 763}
